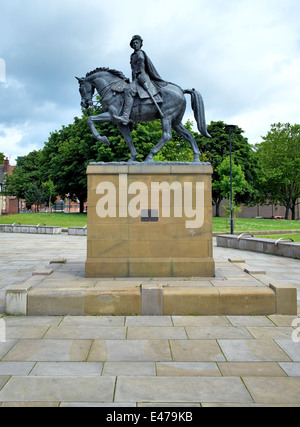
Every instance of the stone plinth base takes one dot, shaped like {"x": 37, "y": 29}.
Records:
{"x": 149, "y": 220}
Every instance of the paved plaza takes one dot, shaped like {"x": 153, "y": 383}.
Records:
{"x": 140, "y": 361}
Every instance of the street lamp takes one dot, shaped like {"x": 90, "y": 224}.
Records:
{"x": 230, "y": 129}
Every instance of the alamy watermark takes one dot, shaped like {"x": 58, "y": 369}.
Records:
{"x": 2, "y": 71}
{"x": 138, "y": 197}
{"x": 2, "y": 331}
{"x": 296, "y": 332}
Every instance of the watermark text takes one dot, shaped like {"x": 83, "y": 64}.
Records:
{"x": 296, "y": 332}
{"x": 133, "y": 199}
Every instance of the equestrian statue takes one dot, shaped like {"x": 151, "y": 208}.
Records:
{"x": 147, "y": 98}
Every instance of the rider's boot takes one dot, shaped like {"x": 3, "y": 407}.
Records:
{"x": 125, "y": 118}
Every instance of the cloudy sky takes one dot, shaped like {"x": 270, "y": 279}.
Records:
{"x": 243, "y": 56}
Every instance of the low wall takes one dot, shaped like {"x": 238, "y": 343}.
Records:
{"x": 41, "y": 229}
{"x": 255, "y": 244}
{"x": 29, "y": 229}
{"x": 77, "y": 231}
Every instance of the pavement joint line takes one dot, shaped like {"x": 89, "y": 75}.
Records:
{"x": 115, "y": 389}
{"x": 89, "y": 351}
{"x": 253, "y": 401}
{"x": 171, "y": 353}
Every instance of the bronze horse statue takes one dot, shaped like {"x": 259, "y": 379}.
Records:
{"x": 111, "y": 84}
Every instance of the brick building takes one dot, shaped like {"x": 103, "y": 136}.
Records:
{"x": 8, "y": 204}
{"x": 265, "y": 211}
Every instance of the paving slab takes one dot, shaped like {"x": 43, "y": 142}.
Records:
{"x": 49, "y": 350}
{"x": 270, "y": 332}
{"x": 86, "y": 333}
{"x": 93, "y": 321}
{"x": 6, "y": 346}
{"x": 58, "y": 389}
{"x": 196, "y": 351}
{"x": 30, "y": 405}
{"x": 156, "y": 332}
{"x": 280, "y": 320}
{"x": 292, "y": 349}
{"x": 217, "y": 332}
{"x": 188, "y": 369}
{"x": 38, "y": 321}
{"x": 274, "y": 390}
{"x": 130, "y": 369}
{"x": 291, "y": 369}
{"x": 126, "y": 351}
{"x": 67, "y": 369}
{"x": 16, "y": 368}
{"x": 33, "y": 331}
{"x": 248, "y": 405}
{"x": 149, "y": 321}
{"x": 252, "y": 351}
{"x": 96, "y": 405}
{"x": 181, "y": 389}
{"x": 3, "y": 381}
{"x": 168, "y": 405}
{"x": 250, "y": 321}
{"x": 199, "y": 321}
{"x": 253, "y": 369}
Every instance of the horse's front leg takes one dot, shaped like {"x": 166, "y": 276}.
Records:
{"x": 166, "y": 136}
{"x": 125, "y": 131}
{"x": 104, "y": 117}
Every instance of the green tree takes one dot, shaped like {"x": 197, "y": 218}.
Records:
{"x": 49, "y": 191}
{"x": 223, "y": 186}
{"x": 2, "y": 157}
{"x": 279, "y": 157}
{"x": 27, "y": 172}
{"x": 33, "y": 196}
{"x": 216, "y": 149}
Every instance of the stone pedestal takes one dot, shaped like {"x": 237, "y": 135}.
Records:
{"x": 149, "y": 220}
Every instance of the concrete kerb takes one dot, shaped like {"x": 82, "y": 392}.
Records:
{"x": 16, "y": 296}
{"x": 285, "y": 294}
{"x": 30, "y": 229}
{"x": 42, "y": 229}
{"x": 158, "y": 298}
{"x": 255, "y": 244}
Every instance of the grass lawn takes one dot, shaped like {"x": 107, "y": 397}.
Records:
{"x": 55, "y": 219}
{"x": 294, "y": 236}
{"x": 80, "y": 220}
{"x": 249, "y": 224}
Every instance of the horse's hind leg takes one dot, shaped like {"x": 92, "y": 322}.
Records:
{"x": 189, "y": 137}
{"x": 166, "y": 136}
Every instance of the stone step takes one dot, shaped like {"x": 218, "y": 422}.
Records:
{"x": 152, "y": 300}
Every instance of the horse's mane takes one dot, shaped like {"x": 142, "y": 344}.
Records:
{"x": 114, "y": 72}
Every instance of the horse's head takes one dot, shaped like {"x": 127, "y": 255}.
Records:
{"x": 86, "y": 90}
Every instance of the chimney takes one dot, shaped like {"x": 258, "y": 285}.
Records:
{"x": 6, "y": 165}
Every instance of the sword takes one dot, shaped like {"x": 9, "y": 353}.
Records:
{"x": 153, "y": 100}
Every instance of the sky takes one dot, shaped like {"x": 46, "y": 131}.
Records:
{"x": 243, "y": 56}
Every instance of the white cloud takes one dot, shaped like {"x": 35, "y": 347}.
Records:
{"x": 10, "y": 139}
{"x": 242, "y": 55}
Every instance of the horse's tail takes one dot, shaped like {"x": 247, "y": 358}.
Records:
{"x": 199, "y": 112}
